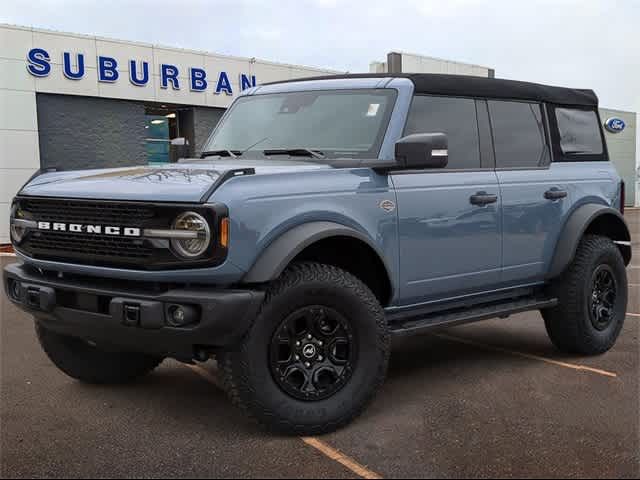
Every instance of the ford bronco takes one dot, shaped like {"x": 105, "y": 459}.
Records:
{"x": 324, "y": 217}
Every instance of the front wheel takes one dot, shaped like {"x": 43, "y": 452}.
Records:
{"x": 315, "y": 356}
{"x": 592, "y": 295}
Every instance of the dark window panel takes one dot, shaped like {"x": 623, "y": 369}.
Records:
{"x": 454, "y": 116}
{"x": 78, "y": 132}
{"x": 518, "y": 134}
{"x": 579, "y": 132}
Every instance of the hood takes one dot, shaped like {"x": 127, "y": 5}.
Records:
{"x": 189, "y": 181}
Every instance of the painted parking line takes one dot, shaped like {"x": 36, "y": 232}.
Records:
{"x": 204, "y": 373}
{"x": 314, "y": 442}
{"x": 551, "y": 361}
{"x": 339, "y": 457}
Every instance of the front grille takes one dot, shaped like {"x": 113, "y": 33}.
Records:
{"x": 74, "y": 211}
{"x": 110, "y": 250}
{"x": 82, "y": 244}
{"x": 79, "y": 247}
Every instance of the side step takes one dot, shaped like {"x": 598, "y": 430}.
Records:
{"x": 418, "y": 324}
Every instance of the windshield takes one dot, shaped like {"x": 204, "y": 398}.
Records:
{"x": 335, "y": 123}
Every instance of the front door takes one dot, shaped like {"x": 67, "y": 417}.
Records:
{"x": 449, "y": 219}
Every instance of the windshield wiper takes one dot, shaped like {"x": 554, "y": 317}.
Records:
{"x": 302, "y": 152}
{"x": 221, "y": 153}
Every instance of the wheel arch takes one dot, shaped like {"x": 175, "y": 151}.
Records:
{"x": 590, "y": 219}
{"x": 330, "y": 243}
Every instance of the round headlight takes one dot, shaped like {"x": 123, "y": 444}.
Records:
{"x": 197, "y": 235}
{"x": 17, "y": 233}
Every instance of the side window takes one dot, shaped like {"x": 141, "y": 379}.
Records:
{"x": 454, "y": 116}
{"x": 518, "y": 134}
{"x": 579, "y": 132}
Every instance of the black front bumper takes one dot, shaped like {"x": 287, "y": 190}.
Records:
{"x": 133, "y": 316}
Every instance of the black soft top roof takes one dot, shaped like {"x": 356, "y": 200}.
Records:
{"x": 468, "y": 86}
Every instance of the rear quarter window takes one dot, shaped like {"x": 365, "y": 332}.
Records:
{"x": 577, "y": 134}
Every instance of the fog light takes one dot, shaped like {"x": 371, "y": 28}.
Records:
{"x": 181, "y": 315}
{"x": 178, "y": 316}
{"x": 15, "y": 290}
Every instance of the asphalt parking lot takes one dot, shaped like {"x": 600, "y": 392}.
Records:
{"x": 484, "y": 400}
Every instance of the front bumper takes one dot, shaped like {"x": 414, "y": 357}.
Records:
{"x": 133, "y": 316}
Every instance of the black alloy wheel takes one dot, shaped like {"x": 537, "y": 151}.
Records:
{"x": 312, "y": 353}
{"x": 603, "y": 297}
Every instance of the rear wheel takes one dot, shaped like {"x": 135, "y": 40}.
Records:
{"x": 592, "y": 296}
{"x": 315, "y": 356}
{"x": 83, "y": 361}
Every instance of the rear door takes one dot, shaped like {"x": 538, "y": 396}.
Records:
{"x": 534, "y": 197}
{"x": 449, "y": 219}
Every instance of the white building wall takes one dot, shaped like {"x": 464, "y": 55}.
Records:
{"x": 412, "y": 63}
{"x": 622, "y": 151}
{"x": 19, "y": 151}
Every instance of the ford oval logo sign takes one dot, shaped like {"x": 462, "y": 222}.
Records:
{"x": 615, "y": 125}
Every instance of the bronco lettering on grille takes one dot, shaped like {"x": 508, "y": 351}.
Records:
{"x": 92, "y": 229}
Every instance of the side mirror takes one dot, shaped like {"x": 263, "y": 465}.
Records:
{"x": 179, "y": 141}
{"x": 422, "y": 150}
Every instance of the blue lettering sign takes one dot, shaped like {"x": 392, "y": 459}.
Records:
{"x": 67, "y": 68}
{"x": 245, "y": 82}
{"x": 133, "y": 73}
{"x": 107, "y": 69}
{"x": 169, "y": 73}
{"x": 39, "y": 65}
{"x": 224, "y": 85}
{"x": 74, "y": 68}
{"x": 198, "y": 79}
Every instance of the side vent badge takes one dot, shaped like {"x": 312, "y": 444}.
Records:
{"x": 387, "y": 205}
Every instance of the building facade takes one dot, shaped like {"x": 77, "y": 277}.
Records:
{"x": 72, "y": 101}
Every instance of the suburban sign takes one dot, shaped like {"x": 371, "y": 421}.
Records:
{"x": 109, "y": 71}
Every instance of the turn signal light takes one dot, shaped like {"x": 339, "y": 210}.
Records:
{"x": 224, "y": 232}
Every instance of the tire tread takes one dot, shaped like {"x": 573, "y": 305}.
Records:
{"x": 565, "y": 323}
{"x": 238, "y": 387}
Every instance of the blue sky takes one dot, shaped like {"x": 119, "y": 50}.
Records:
{"x": 581, "y": 43}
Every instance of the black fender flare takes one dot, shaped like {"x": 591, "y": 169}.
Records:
{"x": 575, "y": 228}
{"x": 278, "y": 254}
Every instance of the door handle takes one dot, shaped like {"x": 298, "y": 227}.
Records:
{"x": 483, "y": 198}
{"x": 555, "y": 194}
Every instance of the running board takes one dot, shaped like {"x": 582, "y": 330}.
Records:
{"x": 413, "y": 325}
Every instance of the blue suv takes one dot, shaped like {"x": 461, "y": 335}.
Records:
{"x": 324, "y": 217}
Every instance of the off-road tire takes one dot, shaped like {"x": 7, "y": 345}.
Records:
{"x": 86, "y": 363}
{"x": 249, "y": 380}
{"x": 569, "y": 324}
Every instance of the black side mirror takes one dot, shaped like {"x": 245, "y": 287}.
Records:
{"x": 423, "y": 150}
